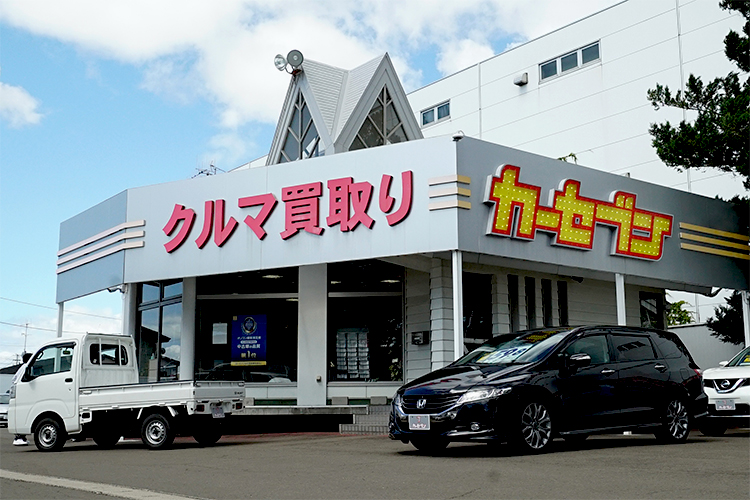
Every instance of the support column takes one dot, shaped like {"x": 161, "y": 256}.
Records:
{"x": 129, "y": 308}
{"x": 745, "y": 296}
{"x": 458, "y": 304}
{"x": 60, "y": 314}
{"x": 620, "y": 291}
{"x": 441, "y": 314}
{"x": 312, "y": 335}
{"x": 187, "y": 334}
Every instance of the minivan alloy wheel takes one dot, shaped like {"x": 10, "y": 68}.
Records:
{"x": 536, "y": 426}
{"x": 677, "y": 419}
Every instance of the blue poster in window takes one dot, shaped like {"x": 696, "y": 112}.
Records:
{"x": 249, "y": 340}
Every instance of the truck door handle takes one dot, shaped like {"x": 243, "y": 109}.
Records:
{"x": 607, "y": 371}
{"x": 660, "y": 367}
{"x": 68, "y": 379}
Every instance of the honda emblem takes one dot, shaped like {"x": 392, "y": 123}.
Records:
{"x": 421, "y": 403}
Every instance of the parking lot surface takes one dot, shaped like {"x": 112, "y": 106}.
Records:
{"x": 327, "y": 465}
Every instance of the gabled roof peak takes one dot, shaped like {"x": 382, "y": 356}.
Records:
{"x": 338, "y": 102}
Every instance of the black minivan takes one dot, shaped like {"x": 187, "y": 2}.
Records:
{"x": 532, "y": 386}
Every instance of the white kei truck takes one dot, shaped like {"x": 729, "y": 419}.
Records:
{"x": 88, "y": 386}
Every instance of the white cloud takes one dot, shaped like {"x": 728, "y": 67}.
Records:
{"x": 457, "y": 56}
{"x": 223, "y": 51}
{"x": 18, "y": 107}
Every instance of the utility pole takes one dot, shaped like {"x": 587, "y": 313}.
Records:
{"x": 25, "y": 336}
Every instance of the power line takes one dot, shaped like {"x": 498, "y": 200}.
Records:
{"x": 36, "y": 327}
{"x": 55, "y": 309}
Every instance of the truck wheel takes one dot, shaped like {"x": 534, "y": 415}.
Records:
{"x": 49, "y": 435}
{"x": 156, "y": 432}
{"x": 207, "y": 435}
{"x": 106, "y": 439}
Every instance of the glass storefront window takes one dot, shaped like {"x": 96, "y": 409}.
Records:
{"x": 159, "y": 331}
{"x": 254, "y": 340}
{"x": 365, "y": 321}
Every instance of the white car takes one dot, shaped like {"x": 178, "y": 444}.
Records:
{"x": 728, "y": 390}
{"x": 4, "y": 402}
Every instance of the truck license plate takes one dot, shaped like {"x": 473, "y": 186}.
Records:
{"x": 419, "y": 422}
{"x": 217, "y": 411}
{"x": 725, "y": 405}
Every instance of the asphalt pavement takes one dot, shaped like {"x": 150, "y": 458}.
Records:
{"x": 328, "y": 465}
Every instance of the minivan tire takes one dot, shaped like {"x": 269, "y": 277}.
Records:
{"x": 533, "y": 430}
{"x": 49, "y": 435}
{"x": 675, "y": 425}
{"x": 157, "y": 432}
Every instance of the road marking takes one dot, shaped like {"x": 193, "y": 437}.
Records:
{"x": 98, "y": 488}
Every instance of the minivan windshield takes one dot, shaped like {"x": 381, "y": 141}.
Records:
{"x": 519, "y": 348}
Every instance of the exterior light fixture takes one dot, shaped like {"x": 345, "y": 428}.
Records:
{"x": 520, "y": 80}
{"x": 292, "y": 60}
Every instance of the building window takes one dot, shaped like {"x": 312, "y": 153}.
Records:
{"x": 477, "y": 289}
{"x": 547, "y": 302}
{"x": 652, "y": 310}
{"x": 436, "y": 113}
{"x": 365, "y": 321}
{"x": 159, "y": 331}
{"x": 382, "y": 125}
{"x": 562, "y": 302}
{"x": 302, "y": 140}
{"x": 530, "y": 289}
{"x": 513, "y": 302}
{"x": 247, "y": 326}
{"x": 570, "y": 61}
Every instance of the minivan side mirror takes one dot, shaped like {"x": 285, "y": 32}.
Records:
{"x": 578, "y": 360}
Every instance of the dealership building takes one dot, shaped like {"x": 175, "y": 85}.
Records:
{"x": 335, "y": 269}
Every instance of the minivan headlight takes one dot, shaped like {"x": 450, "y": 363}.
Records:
{"x": 397, "y": 400}
{"x": 482, "y": 394}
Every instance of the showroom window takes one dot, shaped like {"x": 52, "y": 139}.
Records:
{"x": 159, "y": 331}
{"x": 247, "y": 326}
{"x": 513, "y": 302}
{"x": 436, "y": 113}
{"x": 477, "y": 290}
{"x": 570, "y": 61}
{"x": 530, "y": 290}
{"x": 302, "y": 140}
{"x": 652, "y": 310}
{"x": 365, "y": 321}
{"x": 562, "y": 302}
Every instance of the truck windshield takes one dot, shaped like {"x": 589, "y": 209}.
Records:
{"x": 522, "y": 347}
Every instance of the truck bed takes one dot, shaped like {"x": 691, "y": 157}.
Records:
{"x": 112, "y": 397}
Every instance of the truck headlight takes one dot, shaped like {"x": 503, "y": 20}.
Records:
{"x": 482, "y": 394}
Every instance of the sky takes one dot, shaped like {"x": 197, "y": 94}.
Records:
{"x": 98, "y": 97}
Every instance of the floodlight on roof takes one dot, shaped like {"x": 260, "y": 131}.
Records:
{"x": 293, "y": 61}
{"x": 279, "y": 62}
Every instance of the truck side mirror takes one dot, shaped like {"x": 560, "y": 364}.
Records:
{"x": 27, "y": 376}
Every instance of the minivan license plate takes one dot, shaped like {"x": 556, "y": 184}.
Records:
{"x": 217, "y": 411}
{"x": 725, "y": 405}
{"x": 419, "y": 422}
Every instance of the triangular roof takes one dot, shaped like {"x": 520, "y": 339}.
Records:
{"x": 340, "y": 100}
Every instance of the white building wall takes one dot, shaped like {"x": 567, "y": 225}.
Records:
{"x": 441, "y": 313}
{"x": 707, "y": 351}
{"x": 598, "y": 112}
{"x": 417, "y": 319}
